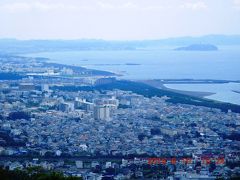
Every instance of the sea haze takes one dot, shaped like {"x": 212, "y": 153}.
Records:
{"x": 156, "y": 64}
{"x": 162, "y": 63}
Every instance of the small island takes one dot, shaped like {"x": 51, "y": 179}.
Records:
{"x": 198, "y": 47}
{"x": 132, "y": 64}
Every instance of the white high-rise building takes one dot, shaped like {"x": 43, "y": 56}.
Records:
{"x": 79, "y": 164}
{"x": 44, "y": 87}
{"x": 102, "y": 112}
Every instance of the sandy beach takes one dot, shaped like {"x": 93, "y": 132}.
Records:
{"x": 160, "y": 85}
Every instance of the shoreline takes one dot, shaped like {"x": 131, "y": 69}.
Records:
{"x": 161, "y": 85}
{"x": 157, "y": 83}
{"x": 238, "y": 92}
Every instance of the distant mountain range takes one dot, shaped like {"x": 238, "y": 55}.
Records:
{"x": 31, "y": 46}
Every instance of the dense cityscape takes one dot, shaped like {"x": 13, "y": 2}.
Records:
{"x": 92, "y": 133}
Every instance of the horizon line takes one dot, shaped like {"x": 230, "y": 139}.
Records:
{"x": 102, "y": 39}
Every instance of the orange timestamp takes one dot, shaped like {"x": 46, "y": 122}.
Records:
{"x": 203, "y": 160}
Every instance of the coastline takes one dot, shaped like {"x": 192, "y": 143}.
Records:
{"x": 161, "y": 85}
{"x": 157, "y": 83}
{"x": 236, "y": 91}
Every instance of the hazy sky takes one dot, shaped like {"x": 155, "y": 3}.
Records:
{"x": 117, "y": 19}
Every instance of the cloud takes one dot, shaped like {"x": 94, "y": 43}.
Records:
{"x": 26, "y": 6}
{"x": 130, "y": 5}
{"x": 16, "y": 7}
{"x": 29, "y": 6}
{"x": 126, "y": 5}
{"x": 93, "y": 5}
{"x": 194, "y": 6}
{"x": 105, "y": 5}
{"x": 236, "y": 4}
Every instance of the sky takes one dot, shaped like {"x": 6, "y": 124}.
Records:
{"x": 117, "y": 19}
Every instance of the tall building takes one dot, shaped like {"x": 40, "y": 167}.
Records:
{"x": 44, "y": 87}
{"x": 66, "y": 106}
{"x": 102, "y": 112}
{"x": 26, "y": 86}
{"x": 111, "y": 102}
{"x": 83, "y": 104}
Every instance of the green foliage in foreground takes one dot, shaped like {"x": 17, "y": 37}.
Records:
{"x": 35, "y": 173}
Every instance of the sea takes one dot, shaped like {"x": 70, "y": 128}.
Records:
{"x": 164, "y": 63}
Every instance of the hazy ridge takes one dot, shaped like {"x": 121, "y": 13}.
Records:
{"x": 28, "y": 46}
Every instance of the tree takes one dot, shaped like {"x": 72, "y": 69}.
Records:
{"x": 34, "y": 173}
{"x": 155, "y": 131}
{"x": 141, "y": 137}
{"x": 19, "y": 115}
